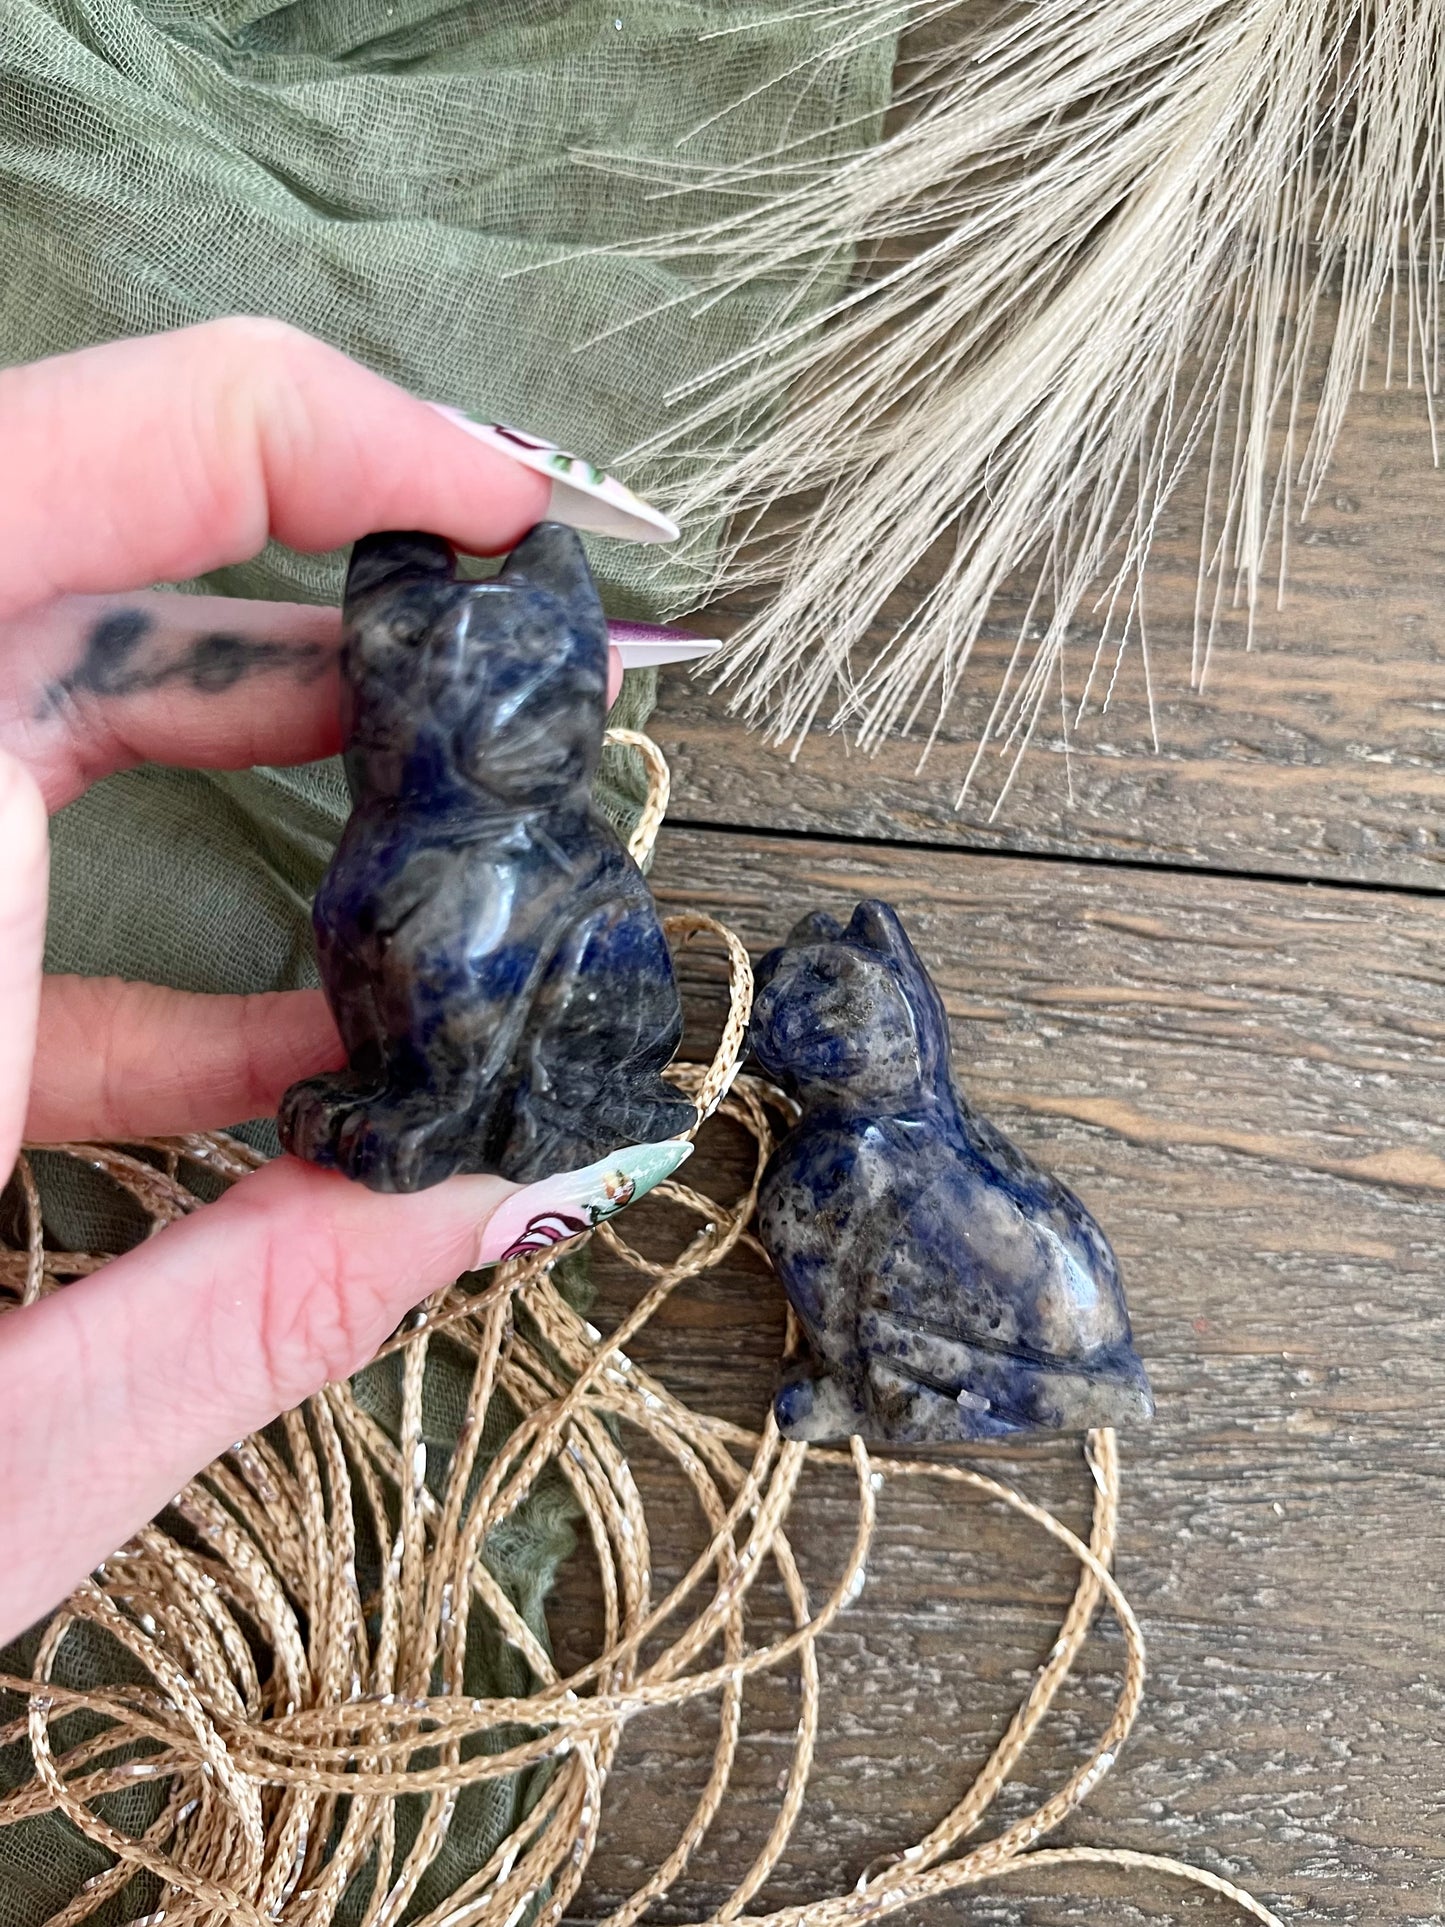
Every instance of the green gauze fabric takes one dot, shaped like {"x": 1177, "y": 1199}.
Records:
{"x": 406, "y": 178}
{"x": 403, "y": 178}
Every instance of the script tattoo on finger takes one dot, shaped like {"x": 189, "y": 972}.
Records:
{"x": 114, "y": 663}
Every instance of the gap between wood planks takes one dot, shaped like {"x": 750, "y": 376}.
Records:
{"x": 1162, "y": 866}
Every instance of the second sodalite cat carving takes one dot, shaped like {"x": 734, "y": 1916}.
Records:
{"x": 492, "y": 955}
{"x": 949, "y": 1289}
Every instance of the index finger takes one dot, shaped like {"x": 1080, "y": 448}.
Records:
{"x": 160, "y": 458}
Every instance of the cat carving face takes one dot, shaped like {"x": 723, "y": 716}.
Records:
{"x": 850, "y": 1014}
{"x": 494, "y": 691}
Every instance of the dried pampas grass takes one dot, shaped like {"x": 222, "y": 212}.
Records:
{"x": 1107, "y": 236}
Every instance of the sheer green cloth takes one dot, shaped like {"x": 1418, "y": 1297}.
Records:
{"x": 407, "y": 179}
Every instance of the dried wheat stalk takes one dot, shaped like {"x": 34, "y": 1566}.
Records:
{"x": 1108, "y": 235}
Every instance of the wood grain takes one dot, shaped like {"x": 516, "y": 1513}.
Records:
{"x": 1242, "y": 1078}
{"x": 1318, "y": 752}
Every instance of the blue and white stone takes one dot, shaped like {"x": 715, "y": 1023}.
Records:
{"x": 948, "y": 1288}
{"x": 492, "y": 955}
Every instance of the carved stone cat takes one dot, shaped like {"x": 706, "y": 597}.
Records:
{"x": 949, "y": 1289}
{"x": 492, "y": 955}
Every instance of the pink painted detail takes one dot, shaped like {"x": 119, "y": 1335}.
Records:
{"x": 554, "y": 1209}
{"x": 583, "y": 495}
{"x": 548, "y": 1228}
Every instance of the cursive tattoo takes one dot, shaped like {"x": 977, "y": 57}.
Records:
{"x": 209, "y": 664}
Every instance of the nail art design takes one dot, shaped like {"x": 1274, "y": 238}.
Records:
{"x": 583, "y": 495}
{"x": 545, "y": 1213}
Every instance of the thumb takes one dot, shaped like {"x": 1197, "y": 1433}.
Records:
{"x": 124, "y": 1385}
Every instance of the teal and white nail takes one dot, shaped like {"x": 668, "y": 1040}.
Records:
{"x": 583, "y": 495}
{"x": 545, "y": 1213}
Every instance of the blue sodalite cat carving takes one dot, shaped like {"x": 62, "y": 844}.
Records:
{"x": 492, "y": 955}
{"x": 949, "y": 1289}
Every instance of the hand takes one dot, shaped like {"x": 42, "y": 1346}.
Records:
{"x": 154, "y": 460}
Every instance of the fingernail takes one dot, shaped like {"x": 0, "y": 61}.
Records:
{"x": 545, "y": 1213}
{"x": 648, "y": 645}
{"x": 582, "y": 495}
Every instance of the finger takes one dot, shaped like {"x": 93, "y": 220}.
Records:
{"x": 92, "y": 684}
{"x": 121, "y": 1060}
{"x": 24, "y": 862}
{"x": 156, "y": 459}
{"x": 193, "y": 1340}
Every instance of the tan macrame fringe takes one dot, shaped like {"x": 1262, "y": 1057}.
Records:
{"x": 255, "y": 1758}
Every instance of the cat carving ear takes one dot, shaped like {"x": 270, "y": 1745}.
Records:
{"x": 551, "y": 557}
{"x": 395, "y": 556}
{"x": 816, "y": 927}
{"x": 876, "y": 926}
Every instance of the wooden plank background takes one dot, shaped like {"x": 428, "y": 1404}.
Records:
{"x": 1315, "y": 753}
{"x": 1208, "y": 992}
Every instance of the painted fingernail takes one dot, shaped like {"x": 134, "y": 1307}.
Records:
{"x": 648, "y": 645}
{"x": 583, "y": 496}
{"x": 545, "y": 1213}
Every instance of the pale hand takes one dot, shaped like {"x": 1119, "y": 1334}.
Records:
{"x": 145, "y": 461}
